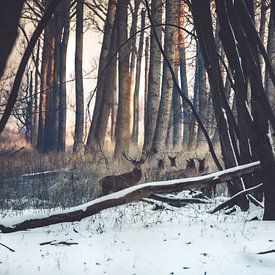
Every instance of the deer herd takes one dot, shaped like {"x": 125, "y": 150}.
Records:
{"x": 162, "y": 171}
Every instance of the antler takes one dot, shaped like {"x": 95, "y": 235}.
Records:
{"x": 136, "y": 162}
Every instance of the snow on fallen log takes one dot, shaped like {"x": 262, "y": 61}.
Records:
{"x": 125, "y": 196}
{"x": 232, "y": 201}
{"x": 178, "y": 202}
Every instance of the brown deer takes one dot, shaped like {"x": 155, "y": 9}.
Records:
{"x": 189, "y": 171}
{"x": 173, "y": 161}
{"x": 202, "y": 169}
{"x": 160, "y": 164}
{"x": 114, "y": 183}
{"x": 155, "y": 173}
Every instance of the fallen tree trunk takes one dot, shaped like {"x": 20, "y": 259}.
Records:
{"x": 178, "y": 202}
{"x": 130, "y": 194}
{"x": 232, "y": 201}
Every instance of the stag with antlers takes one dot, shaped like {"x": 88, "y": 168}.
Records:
{"x": 114, "y": 183}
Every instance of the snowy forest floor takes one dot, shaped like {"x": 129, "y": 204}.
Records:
{"x": 138, "y": 239}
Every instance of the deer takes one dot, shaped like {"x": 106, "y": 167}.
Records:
{"x": 114, "y": 183}
{"x": 157, "y": 172}
{"x": 189, "y": 171}
{"x": 173, "y": 161}
{"x": 202, "y": 169}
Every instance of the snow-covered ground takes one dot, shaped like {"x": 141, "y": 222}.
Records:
{"x": 135, "y": 239}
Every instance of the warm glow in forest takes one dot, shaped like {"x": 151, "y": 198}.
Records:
{"x": 137, "y": 137}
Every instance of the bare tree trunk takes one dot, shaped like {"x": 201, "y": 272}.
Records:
{"x": 53, "y": 129}
{"x": 262, "y": 28}
{"x": 133, "y": 60}
{"x": 177, "y": 103}
{"x": 79, "y": 93}
{"x": 167, "y": 81}
{"x": 114, "y": 109}
{"x": 29, "y": 111}
{"x": 154, "y": 77}
{"x": 183, "y": 74}
{"x": 202, "y": 104}
{"x": 47, "y": 146}
{"x": 36, "y": 85}
{"x": 137, "y": 82}
{"x": 146, "y": 77}
{"x": 271, "y": 52}
{"x": 109, "y": 90}
{"x": 92, "y": 141}
{"x": 44, "y": 88}
{"x": 124, "y": 102}
{"x": 10, "y": 15}
{"x": 62, "y": 77}
{"x": 197, "y": 89}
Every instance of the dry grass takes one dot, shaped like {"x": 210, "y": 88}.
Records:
{"x": 79, "y": 174}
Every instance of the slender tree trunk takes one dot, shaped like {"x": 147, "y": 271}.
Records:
{"x": 202, "y": 104}
{"x": 183, "y": 74}
{"x": 36, "y": 110}
{"x": 48, "y": 139}
{"x": 62, "y": 77}
{"x": 133, "y": 61}
{"x": 45, "y": 64}
{"x": 197, "y": 90}
{"x": 167, "y": 81}
{"x": 146, "y": 77}
{"x": 271, "y": 52}
{"x": 177, "y": 103}
{"x": 124, "y": 102}
{"x": 262, "y": 28}
{"x": 114, "y": 109}
{"x": 103, "y": 63}
{"x": 154, "y": 77}
{"x": 79, "y": 93}
{"x": 137, "y": 82}
{"x": 109, "y": 90}
{"x": 29, "y": 111}
{"x": 10, "y": 15}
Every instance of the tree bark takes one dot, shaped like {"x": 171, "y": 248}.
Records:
{"x": 109, "y": 90}
{"x": 183, "y": 73}
{"x": 167, "y": 82}
{"x": 177, "y": 104}
{"x": 146, "y": 77}
{"x": 124, "y": 102}
{"x": 92, "y": 142}
{"x": 133, "y": 61}
{"x": 79, "y": 93}
{"x": 44, "y": 88}
{"x": 154, "y": 76}
{"x": 135, "y": 134}
{"x": 10, "y": 15}
{"x": 62, "y": 76}
{"x": 271, "y": 53}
